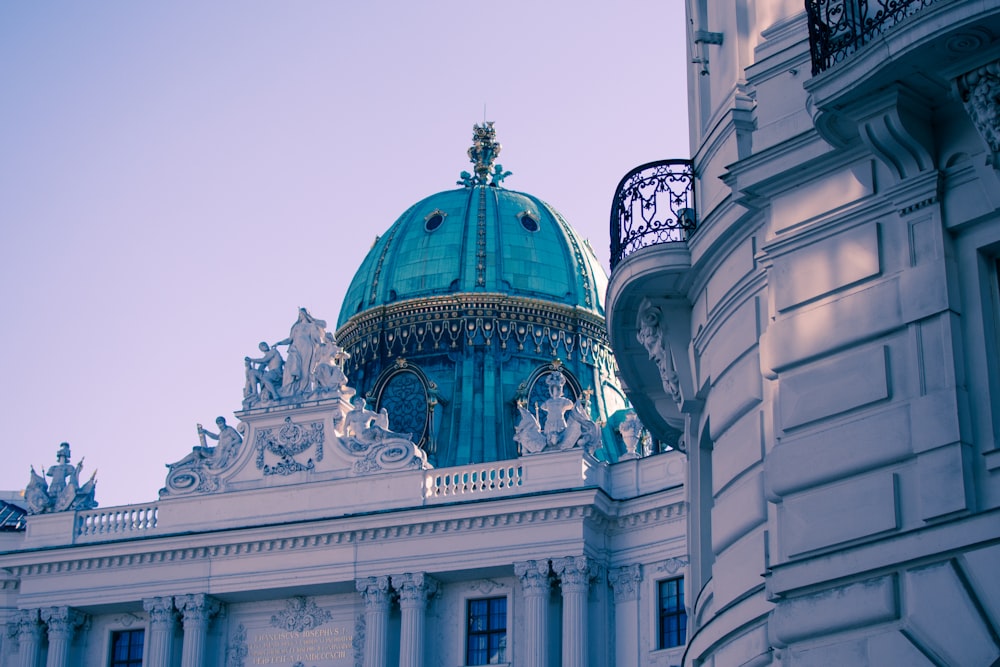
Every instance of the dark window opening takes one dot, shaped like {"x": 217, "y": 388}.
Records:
{"x": 672, "y": 616}
{"x": 486, "y": 639}
{"x": 126, "y": 648}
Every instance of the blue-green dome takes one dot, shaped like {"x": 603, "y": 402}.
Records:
{"x": 464, "y": 308}
{"x": 478, "y": 239}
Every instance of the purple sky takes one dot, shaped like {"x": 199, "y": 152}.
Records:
{"x": 177, "y": 178}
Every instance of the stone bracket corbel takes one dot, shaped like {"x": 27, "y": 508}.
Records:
{"x": 896, "y": 126}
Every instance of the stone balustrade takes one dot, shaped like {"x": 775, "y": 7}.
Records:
{"x": 117, "y": 521}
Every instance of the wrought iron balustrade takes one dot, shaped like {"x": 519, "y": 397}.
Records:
{"x": 653, "y": 204}
{"x": 838, "y": 28}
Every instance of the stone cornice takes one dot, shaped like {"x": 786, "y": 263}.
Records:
{"x": 595, "y": 508}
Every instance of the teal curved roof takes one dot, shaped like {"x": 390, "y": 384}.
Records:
{"x": 479, "y": 238}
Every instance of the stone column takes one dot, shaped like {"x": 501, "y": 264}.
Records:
{"x": 63, "y": 623}
{"x": 574, "y": 575}
{"x": 534, "y": 576}
{"x": 625, "y": 582}
{"x": 29, "y": 637}
{"x": 414, "y": 591}
{"x": 162, "y": 617}
{"x": 375, "y": 591}
{"x": 197, "y": 611}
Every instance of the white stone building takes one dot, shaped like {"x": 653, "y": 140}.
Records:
{"x": 823, "y": 312}
{"x": 499, "y": 505}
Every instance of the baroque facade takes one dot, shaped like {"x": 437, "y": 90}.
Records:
{"x": 453, "y": 477}
{"x": 817, "y": 291}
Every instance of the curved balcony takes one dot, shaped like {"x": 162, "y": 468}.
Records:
{"x": 653, "y": 204}
{"x": 838, "y": 28}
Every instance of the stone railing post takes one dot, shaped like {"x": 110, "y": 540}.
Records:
{"x": 375, "y": 591}
{"x": 625, "y": 581}
{"x": 162, "y": 619}
{"x": 535, "y": 584}
{"x": 574, "y": 577}
{"x": 63, "y": 623}
{"x": 197, "y": 611}
{"x": 414, "y": 591}
{"x": 28, "y": 626}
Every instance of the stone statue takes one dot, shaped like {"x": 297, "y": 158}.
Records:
{"x": 303, "y": 342}
{"x": 366, "y": 436}
{"x": 567, "y": 424}
{"x": 329, "y": 376}
{"x": 366, "y": 427}
{"x": 64, "y": 492}
{"x": 217, "y": 457}
{"x": 555, "y": 407}
{"x": 633, "y": 434}
{"x": 581, "y": 429}
{"x": 263, "y": 376}
{"x": 527, "y": 433}
{"x": 651, "y": 334}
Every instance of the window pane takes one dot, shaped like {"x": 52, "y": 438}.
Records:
{"x": 127, "y": 648}
{"x": 487, "y": 631}
{"x": 673, "y": 617}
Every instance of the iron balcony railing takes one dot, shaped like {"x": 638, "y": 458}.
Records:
{"x": 838, "y": 28}
{"x": 654, "y": 204}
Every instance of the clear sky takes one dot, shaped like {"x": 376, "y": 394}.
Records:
{"x": 177, "y": 178}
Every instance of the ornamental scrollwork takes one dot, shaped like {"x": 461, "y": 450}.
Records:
{"x": 286, "y": 442}
{"x": 301, "y": 614}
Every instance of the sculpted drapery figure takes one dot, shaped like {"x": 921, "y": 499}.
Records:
{"x": 264, "y": 376}
{"x": 312, "y": 367}
{"x": 212, "y": 457}
{"x": 366, "y": 426}
{"x": 304, "y": 340}
{"x": 329, "y": 373}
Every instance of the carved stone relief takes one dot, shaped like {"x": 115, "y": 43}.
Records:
{"x": 979, "y": 91}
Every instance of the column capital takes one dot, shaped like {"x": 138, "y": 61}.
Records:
{"x": 534, "y": 576}
{"x": 62, "y": 621}
{"x": 28, "y": 623}
{"x": 625, "y": 581}
{"x": 197, "y": 607}
{"x": 415, "y": 588}
{"x": 161, "y": 610}
{"x": 574, "y": 572}
{"x": 375, "y": 591}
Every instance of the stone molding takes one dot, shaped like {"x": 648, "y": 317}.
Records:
{"x": 588, "y": 512}
{"x": 624, "y": 581}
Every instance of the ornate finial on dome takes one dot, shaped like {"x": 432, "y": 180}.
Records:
{"x": 484, "y": 151}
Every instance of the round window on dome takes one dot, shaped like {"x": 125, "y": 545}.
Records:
{"x": 528, "y": 222}
{"x": 434, "y": 220}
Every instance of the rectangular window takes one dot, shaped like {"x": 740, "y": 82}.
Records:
{"x": 673, "y": 617}
{"x": 486, "y": 642}
{"x": 126, "y": 648}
